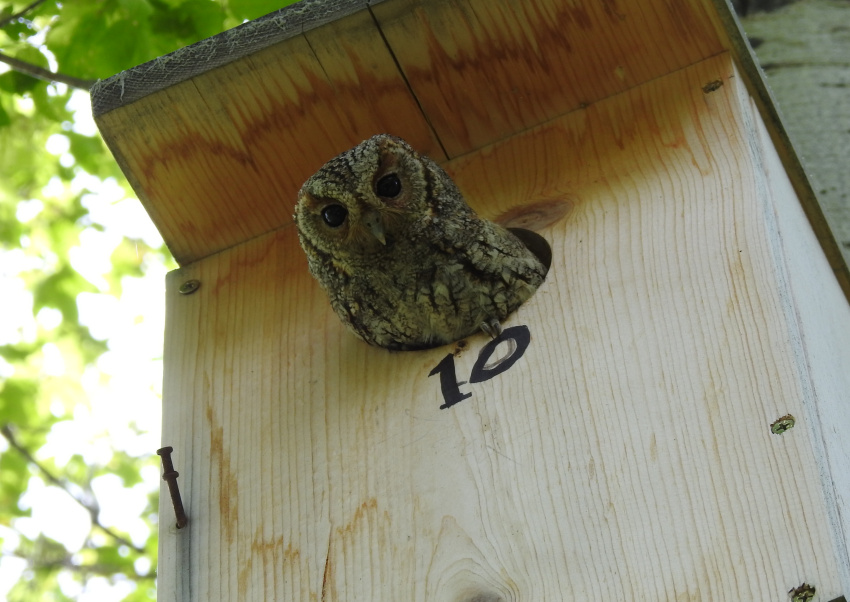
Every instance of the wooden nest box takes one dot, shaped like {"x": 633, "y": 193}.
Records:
{"x": 676, "y": 427}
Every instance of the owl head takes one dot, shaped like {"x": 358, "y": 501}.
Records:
{"x": 371, "y": 198}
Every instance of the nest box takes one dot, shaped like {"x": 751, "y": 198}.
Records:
{"x": 674, "y": 428}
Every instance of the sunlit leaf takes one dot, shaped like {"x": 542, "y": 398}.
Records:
{"x": 17, "y": 397}
{"x": 49, "y": 106}
{"x": 76, "y": 469}
{"x": 14, "y": 477}
{"x": 88, "y": 151}
{"x": 109, "y": 556}
{"x": 18, "y": 352}
{"x": 127, "y": 468}
{"x": 60, "y": 290}
{"x": 189, "y": 20}
{"x": 5, "y": 119}
{"x": 251, "y": 9}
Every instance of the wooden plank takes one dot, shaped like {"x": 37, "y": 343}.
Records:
{"x": 219, "y": 159}
{"x": 226, "y": 47}
{"x": 486, "y": 69}
{"x": 819, "y": 329}
{"x": 239, "y": 121}
{"x": 626, "y": 456}
{"x": 757, "y": 84}
{"x": 216, "y": 137}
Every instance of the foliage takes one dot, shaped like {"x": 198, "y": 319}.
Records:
{"x": 53, "y": 173}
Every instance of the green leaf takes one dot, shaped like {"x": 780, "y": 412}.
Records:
{"x": 127, "y": 258}
{"x": 51, "y": 107}
{"x": 60, "y": 290}
{"x": 136, "y": 10}
{"x": 5, "y": 119}
{"x": 17, "y": 396}
{"x": 89, "y": 151}
{"x": 33, "y": 56}
{"x": 18, "y": 352}
{"x": 191, "y": 20}
{"x": 77, "y": 469}
{"x": 14, "y": 477}
{"x": 126, "y": 467}
{"x": 18, "y": 83}
{"x": 21, "y": 82}
{"x": 109, "y": 556}
{"x": 17, "y": 29}
{"x": 252, "y": 9}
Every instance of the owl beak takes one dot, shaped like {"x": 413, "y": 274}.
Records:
{"x": 373, "y": 221}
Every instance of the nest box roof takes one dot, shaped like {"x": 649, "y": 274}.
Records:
{"x": 216, "y": 138}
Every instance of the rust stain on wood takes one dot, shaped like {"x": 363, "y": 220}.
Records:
{"x": 228, "y": 483}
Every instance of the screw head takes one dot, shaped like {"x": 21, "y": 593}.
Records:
{"x": 780, "y": 425}
{"x": 189, "y": 287}
{"x": 804, "y": 593}
{"x": 712, "y": 86}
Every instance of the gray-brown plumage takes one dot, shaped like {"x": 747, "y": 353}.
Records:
{"x": 407, "y": 264}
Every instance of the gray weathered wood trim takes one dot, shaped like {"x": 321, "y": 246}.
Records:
{"x": 226, "y": 47}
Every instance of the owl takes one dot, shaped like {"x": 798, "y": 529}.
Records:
{"x": 406, "y": 263}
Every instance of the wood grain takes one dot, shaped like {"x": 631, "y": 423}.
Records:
{"x": 486, "y": 69}
{"x": 820, "y": 329}
{"x": 217, "y": 137}
{"x": 626, "y": 456}
{"x": 219, "y": 159}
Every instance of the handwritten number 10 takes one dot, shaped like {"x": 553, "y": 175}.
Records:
{"x": 481, "y": 371}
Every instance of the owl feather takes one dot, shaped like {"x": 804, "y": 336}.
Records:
{"x": 405, "y": 262}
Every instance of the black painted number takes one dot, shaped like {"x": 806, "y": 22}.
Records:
{"x": 482, "y": 370}
{"x": 448, "y": 382}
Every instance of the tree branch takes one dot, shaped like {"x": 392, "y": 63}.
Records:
{"x": 21, "y": 13}
{"x": 91, "y": 507}
{"x": 43, "y": 74}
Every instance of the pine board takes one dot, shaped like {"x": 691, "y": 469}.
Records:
{"x": 626, "y": 456}
{"x": 232, "y": 126}
{"x": 485, "y": 70}
{"x": 218, "y": 159}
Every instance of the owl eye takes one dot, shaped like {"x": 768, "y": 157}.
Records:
{"x": 334, "y": 215}
{"x": 389, "y": 186}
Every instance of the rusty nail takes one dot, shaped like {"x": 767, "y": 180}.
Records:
{"x": 189, "y": 287}
{"x": 170, "y": 475}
